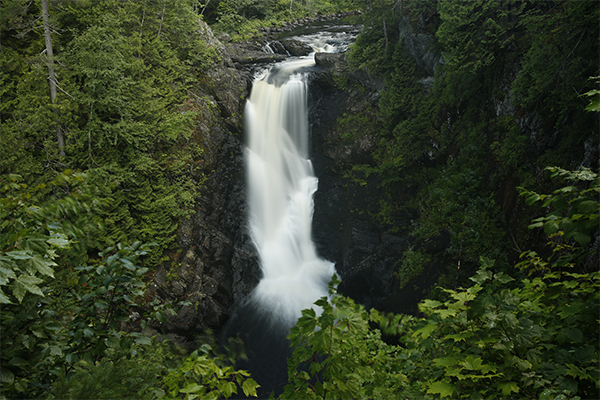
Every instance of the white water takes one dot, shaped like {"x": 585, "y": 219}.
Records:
{"x": 281, "y": 185}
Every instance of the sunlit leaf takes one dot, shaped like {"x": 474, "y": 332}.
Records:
{"x": 442, "y": 388}
{"x": 508, "y": 387}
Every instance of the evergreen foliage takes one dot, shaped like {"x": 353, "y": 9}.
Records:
{"x": 63, "y": 314}
{"x": 508, "y": 100}
{"x": 124, "y": 69}
{"x": 75, "y": 246}
{"x": 243, "y": 18}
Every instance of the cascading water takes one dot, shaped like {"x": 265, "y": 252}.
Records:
{"x": 281, "y": 184}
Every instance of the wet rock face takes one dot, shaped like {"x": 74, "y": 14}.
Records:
{"x": 345, "y": 230}
{"x": 330, "y": 60}
{"x": 216, "y": 264}
{"x": 296, "y": 48}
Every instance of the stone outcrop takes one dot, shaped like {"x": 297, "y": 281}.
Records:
{"x": 216, "y": 265}
{"x": 345, "y": 232}
{"x": 346, "y": 228}
{"x": 296, "y": 48}
{"x": 418, "y": 46}
{"x": 246, "y": 54}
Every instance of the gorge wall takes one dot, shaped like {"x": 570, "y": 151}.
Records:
{"x": 217, "y": 265}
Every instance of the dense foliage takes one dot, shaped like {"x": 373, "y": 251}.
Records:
{"x": 507, "y": 100}
{"x": 500, "y": 337}
{"x": 243, "y": 18}
{"x": 64, "y": 320}
{"x": 123, "y": 71}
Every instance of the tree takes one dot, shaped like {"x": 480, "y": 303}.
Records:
{"x": 51, "y": 74}
{"x": 473, "y": 33}
{"x": 63, "y": 338}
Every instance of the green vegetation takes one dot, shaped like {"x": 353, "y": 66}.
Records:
{"x": 124, "y": 69}
{"x": 64, "y": 319}
{"x": 508, "y": 100}
{"x": 96, "y": 178}
{"x": 243, "y": 18}
{"x": 534, "y": 337}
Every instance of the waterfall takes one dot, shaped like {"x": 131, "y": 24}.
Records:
{"x": 281, "y": 184}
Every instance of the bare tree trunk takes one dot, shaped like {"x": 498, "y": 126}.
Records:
{"x": 162, "y": 17}
{"x": 51, "y": 75}
{"x": 291, "y": 2}
{"x": 385, "y": 33}
{"x": 207, "y": 3}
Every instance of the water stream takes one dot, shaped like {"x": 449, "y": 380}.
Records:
{"x": 281, "y": 184}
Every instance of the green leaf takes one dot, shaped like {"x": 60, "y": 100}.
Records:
{"x": 431, "y": 304}
{"x": 550, "y": 227}
{"x": 161, "y": 316}
{"x": 471, "y": 362}
{"x": 486, "y": 263}
{"x": 19, "y": 362}
{"x": 425, "y": 331}
{"x": 29, "y": 279}
{"x": 227, "y": 388}
{"x": 59, "y": 242}
{"x": 4, "y": 298}
{"x": 481, "y": 276}
{"x": 532, "y": 198}
{"x": 588, "y": 207}
{"x": 26, "y": 283}
{"x": 191, "y": 387}
{"x": 6, "y": 274}
{"x": 508, "y": 387}
{"x": 55, "y": 351}
{"x": 143, "y": 340}
{"x": 503, "y": 278}
{"x": 20, "y": 254}
{"x": 41, "y": 265}
{"x": 19, "y": 291}
{"x": 577, "y": 372}
{"x": 442, "y": 388}
{"x": 581, "y": 238}
{"x": 445, "y": 361}
{"x": 446, "y": 313}
{"x": 6, "y": 376}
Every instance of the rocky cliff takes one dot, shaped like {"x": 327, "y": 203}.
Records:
{"x": 216, "y": 265}
{"x": 347, "y": 230}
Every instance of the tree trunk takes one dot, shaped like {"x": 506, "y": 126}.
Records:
{"x": 385, "y": 33}
{"x": 162, "y": 17}
{"x": 291, "y": 2}
{"x": 51, "y": 75}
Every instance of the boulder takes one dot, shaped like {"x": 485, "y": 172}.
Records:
{"x": 336, "y": 60}
{"x": 296, "y": 48}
